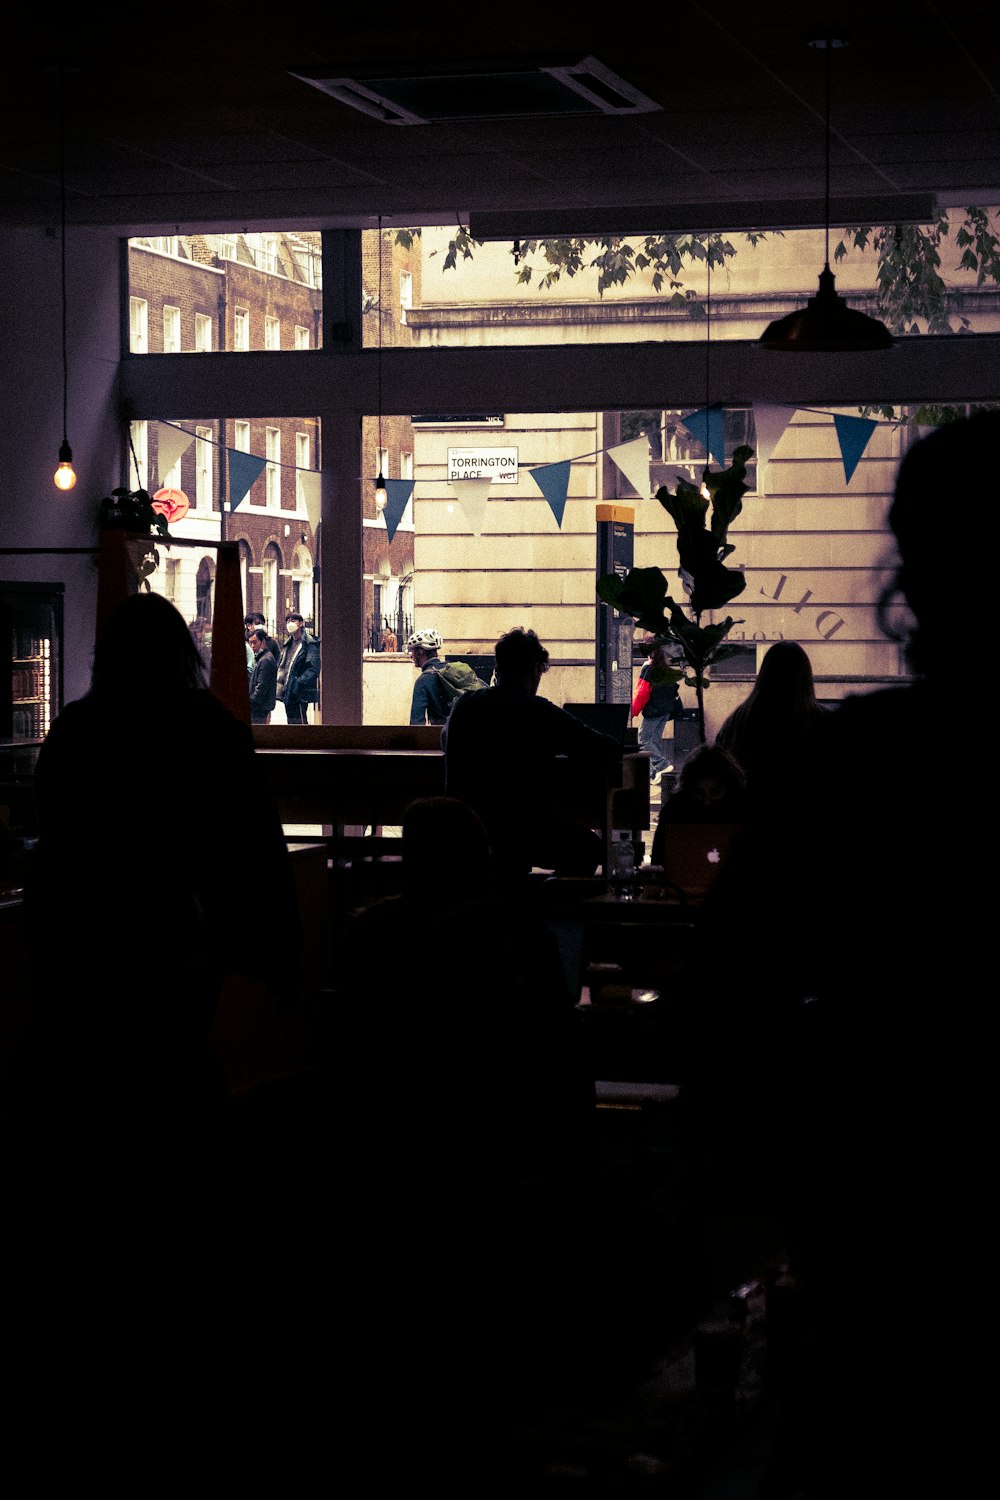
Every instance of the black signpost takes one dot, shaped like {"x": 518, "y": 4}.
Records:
{"x": 615, "y": 552}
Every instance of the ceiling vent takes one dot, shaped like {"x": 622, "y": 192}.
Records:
{"x": 503, "y": 92}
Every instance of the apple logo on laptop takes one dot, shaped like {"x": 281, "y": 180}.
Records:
{"x": 714, "y": 856}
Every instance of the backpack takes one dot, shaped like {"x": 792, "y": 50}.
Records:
{"x": 458, "y": 678}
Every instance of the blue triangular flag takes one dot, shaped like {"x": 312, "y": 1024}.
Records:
{"x": 553, "y": 481}
{"x": 852, "y": 435}
{"x": 244, "y": 470}
{"x": 397, "y": 497}
{"x": 708, "y": 426}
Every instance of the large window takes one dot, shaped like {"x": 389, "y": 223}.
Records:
{"x": 811, "y": 540}
{"x": 439, "y": 287}
{"x": 240, "y": 287}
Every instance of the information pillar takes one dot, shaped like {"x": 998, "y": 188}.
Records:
{"x": 615, "y": 552}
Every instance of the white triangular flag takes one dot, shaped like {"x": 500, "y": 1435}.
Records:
{"x": 171, "y": 443}
{"x": 769, "y": 424}
{"x": 311, "y": 482}
{"x": 633, "y": 460}
{"x": 473, "y": 494}
{"x": 667, "y": 475}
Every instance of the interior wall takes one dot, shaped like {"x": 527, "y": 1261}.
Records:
{"x": 33, "y": 513}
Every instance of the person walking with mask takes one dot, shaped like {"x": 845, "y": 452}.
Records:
{"x": 298, "y": 670}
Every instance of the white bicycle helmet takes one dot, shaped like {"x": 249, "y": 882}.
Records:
{"x": 428, "y": 640}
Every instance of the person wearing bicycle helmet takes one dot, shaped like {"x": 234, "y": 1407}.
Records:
{"x": 430, "y": 702}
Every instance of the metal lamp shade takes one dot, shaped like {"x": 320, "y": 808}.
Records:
{"x": 826, "y": 325}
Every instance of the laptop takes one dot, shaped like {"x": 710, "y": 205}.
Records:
{"x": 694, "y": 853}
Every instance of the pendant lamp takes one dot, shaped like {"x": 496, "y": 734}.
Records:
{"x": 826, "y": 325}
{"x": 381, "y": 494}
{"x": 64, "y": 477}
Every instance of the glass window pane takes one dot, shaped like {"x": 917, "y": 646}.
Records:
{"x": 265, "y": 507}
{"x": 440, "y": 287}
{"x": 224, "y": 291}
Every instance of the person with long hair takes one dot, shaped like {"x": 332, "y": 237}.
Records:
{"x": 775, "y": 731}
{"x": 870, "y": 919}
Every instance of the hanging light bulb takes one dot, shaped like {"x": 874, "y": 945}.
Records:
{"x": 381, "y": 496}
{"x": 65, "y": 475}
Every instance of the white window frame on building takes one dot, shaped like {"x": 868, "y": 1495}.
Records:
{"x": 267, "y": 253}
{"x": 139, "y": 454}
{"x": 301, "y": 581}
{"x": 405, "y": 294}
{"x": 203, "y": 446}
{"x": 173, "y": 576}
{"x": 241, "y": 436}
{"x": 138, "y": 325}
{"x": 405, "y": 464}
{"x": 382, "y": 466}
{"x": 171, "y": 329}
{"x": 226, "y": 249}
{"x": 303, "y": 461}
{"x": 203, "y": 333}
{"x": 303, "y": 338}
{"x": 269, "y": 574}
{"x": 272, "y": 481}
{"x": 241, "y": 329}
{"x": 272, "y": 332}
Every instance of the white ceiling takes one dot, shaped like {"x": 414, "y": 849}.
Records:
{"x": 188, "y": 114}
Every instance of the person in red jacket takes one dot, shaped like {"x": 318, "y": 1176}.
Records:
{"x": 658, "y": 703}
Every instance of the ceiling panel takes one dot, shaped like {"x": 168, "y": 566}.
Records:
{"x": 206, "y": 121}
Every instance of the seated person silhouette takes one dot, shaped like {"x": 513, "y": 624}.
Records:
{"x": 711, "y": 789}
{"x": 774, "y": 733}
{"x": 501, "y": 747}
{"x": 870, "y": 912}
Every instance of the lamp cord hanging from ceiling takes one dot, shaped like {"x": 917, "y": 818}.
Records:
{"x": 826, "y": 324}
{"x": 65, "y": 475}
{"x": 381, "y": 495}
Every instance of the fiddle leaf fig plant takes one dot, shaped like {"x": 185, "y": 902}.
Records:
{"x": 702, "y": 548}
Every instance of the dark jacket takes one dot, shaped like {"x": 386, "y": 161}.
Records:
{"x": 430, "y": 703}
{"x": 263, "y": 687}
{"x": 298, "y": 678}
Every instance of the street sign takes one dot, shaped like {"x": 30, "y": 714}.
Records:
{"x": 496, "y": 464}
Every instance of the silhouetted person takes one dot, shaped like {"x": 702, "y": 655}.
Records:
{"x": 711, "y": 789}
{"x": 776, "y": 729}
{"x": 151, "y": 811}
{"x": 501, "y": 747}
{"x": 869, "y": 916}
